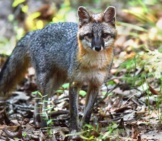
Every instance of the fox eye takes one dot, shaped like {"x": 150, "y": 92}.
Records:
{"x": 89, "y": 35}
{"x": 106, "y": 35}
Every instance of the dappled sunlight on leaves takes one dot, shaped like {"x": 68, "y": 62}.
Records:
{"x": 153, "y": 65}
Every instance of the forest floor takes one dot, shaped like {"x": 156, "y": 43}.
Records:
{"x": 122, "y": 113}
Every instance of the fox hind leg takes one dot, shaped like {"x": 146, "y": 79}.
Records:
{"x": 45, "y": 85}
{"x": 73, "y": 106}
{"x": 48, "y": 82}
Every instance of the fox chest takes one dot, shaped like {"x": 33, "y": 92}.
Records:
{"x": 92, "y": 70}
{"x": 92, "y": 76}
{"x": 93, "y": 67}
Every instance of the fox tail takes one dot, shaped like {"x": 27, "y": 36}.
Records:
{"x": 15, "y": 67}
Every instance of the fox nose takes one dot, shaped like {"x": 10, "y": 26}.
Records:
{"x": 97, "y": 48}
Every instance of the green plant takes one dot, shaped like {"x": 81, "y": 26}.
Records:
{"x": 42, "y": 100}
{"x": 90, "y": 132}
{"x": 24, "y": 134}
{"x": 62, "y": 13}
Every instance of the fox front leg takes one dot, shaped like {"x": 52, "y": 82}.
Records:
{"x": 73, "y": 106}
{"x": 90, "y": 101}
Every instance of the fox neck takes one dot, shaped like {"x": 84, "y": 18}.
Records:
{"x": 90, "y": 59}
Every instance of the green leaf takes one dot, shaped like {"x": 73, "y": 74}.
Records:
{"x": 89, "y": 126}
{"x": 65, "y": 86}
{"x": 82, "y": 93}
{"x": 36, "y": 93}
{"x": 35, "y": 15}
{"x": 17, "y": 2}
{"x": 111, "y": 82}
{"x": 104, "y": 92}
{"x": 49, "y": 122}
{"x": 25, "y": 9}
{"x": 24, "y": 134}
{"x": 59, "y": 91}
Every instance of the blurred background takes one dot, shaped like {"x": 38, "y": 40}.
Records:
{"x": 20, "y": 16}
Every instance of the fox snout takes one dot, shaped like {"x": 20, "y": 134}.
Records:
{"x": 97, "y": 48}
{"x": 97, "y": 43}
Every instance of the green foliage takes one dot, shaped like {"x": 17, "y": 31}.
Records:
{"x": 112, "y": 128}
{"x": 17, "y": 2}
{"x": 129, "y": 77}
{"x": 142, "y": 13}
{"x": 16, "y": 139}
{"x": 60, "y": 91}
{"x": 24, "y": 134}
{"x": 91, "y": 133}
{"x": 63, "y": 12}
{"x": 5, "y": 46}
{"x": 129, "y": 64}
{"x": 82, "y": 93}
{"x": 37, "y": 93}
{"x": 142, "y": 3}
{"x": 34, "y": 24}
{"x": 110, "y": 82}
{"x": 87, "y": 134}
{"x": 24, "y": 7}
{"x": 50, "y": 122}
{"x": 151, "y": 63}
{"x": 132, "y": 26}
{"x": 66, "y": 85}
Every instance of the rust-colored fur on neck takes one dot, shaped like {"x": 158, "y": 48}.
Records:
{"x": 90, "y": 59}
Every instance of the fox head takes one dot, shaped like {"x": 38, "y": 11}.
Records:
{"x": 97, "y": 31}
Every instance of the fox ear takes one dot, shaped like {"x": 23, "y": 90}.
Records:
{"x": 109, "y": 15}
{"x": 83, "y": 15}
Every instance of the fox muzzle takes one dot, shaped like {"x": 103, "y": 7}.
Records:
{"x": 97, "y": 43}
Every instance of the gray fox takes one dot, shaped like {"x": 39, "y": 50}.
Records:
{"x": 66, "y": 51}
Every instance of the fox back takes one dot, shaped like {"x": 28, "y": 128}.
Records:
{"x": 53, "y": 50}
